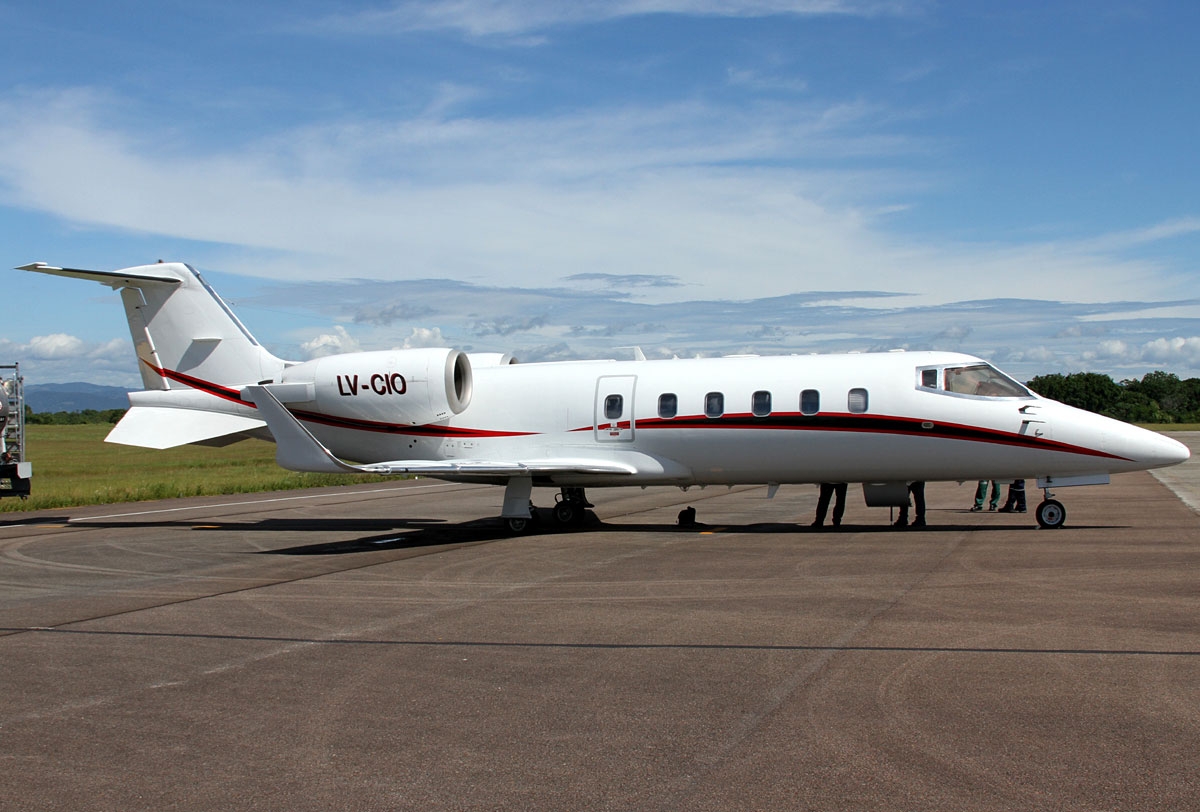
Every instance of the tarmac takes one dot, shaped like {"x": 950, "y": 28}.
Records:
{"x": 385, "y": 647}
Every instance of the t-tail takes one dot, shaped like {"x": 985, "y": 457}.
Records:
{"x": 194, "y": 356}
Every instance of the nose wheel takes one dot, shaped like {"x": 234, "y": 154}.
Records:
{"x": 1050, "y": 513}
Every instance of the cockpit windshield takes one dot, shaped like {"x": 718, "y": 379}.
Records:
{"x": 983, "y": 380}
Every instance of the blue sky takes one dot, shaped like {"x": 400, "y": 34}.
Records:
{"x": 560, "y": 180}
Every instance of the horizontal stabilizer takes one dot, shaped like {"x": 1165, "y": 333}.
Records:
{"x": 298, "y": 450}
{"x": 118, "y": 279}
{"x": 162, "y": 427}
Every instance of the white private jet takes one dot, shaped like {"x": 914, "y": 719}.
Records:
{"x": 880, "y": 419}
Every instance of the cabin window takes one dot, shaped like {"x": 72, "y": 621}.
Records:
{"x": 983, "y": 380}
{"x": 614, "y": 405}
{"x": 810, "y": 401}
{"x": 929, "y": 378}
{"x": 856, "y": 401}
{"x": 714, "y": 404}
{"x": 668, "y": 405}
{"x": 760, "y": 404}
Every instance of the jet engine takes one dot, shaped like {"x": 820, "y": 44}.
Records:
{"x": 410, "y": 387}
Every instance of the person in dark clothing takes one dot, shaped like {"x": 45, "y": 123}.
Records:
{"x": 828, "y": 491}
{"x": 1015, "y": 503}
{"x": 917, "y": 489}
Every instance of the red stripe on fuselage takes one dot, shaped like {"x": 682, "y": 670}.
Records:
{"x": 234, "y": 395}
{"x": 223, "y": 392}
{"x": 780, "y": 421}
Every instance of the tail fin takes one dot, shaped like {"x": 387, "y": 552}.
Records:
{"x": 193, "y": 353}
{"x": 182, "y": 331}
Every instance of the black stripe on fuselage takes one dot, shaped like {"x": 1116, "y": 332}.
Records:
{"x": 781, "y": 421}
{"x": 866, "y": 423}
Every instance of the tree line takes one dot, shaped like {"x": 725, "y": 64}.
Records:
{"x": 33, "y": 418}
{"x": 1159, "y": 397}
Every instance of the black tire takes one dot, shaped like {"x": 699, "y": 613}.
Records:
{"x": 567, "y": 513}
{"x": 517, "y": 526}
{"x": 1051, "y": 514}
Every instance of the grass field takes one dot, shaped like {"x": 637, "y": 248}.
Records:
{"x": 72, "y": 465}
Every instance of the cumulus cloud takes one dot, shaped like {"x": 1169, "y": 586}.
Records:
{"x": 63, "y": 357}
{"x": 330, "y": 344}
{"x": 1178, "y": 353}
{"x": 54, "y": 346}
{"x": 1173, "y": 351}
{"x": 424, "y": 337}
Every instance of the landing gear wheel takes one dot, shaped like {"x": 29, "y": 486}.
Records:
{"x": 571, "y": 507}
{"x": 1051, "y": 514}
{"x": 567, "y": 513}
{"x": 517, "y": 526}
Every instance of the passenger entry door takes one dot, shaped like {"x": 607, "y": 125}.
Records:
{"x": 614, "y": 420}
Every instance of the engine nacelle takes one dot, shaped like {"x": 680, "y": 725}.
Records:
{"x": 491, "y": 359}
{"x": 409, "y": 387}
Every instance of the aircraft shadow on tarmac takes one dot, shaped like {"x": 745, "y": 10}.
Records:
{"x": 408, "y": 533}
{"x": 491, "y": 529}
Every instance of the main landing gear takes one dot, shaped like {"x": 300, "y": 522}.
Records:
{"x": 517, "y": 526}
{"x": 570, "y": 509}
{"x": 1050, "y": 514}
{"x": 571, "y": 506}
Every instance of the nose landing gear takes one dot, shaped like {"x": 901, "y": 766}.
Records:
{"x": 1050, "y": 513}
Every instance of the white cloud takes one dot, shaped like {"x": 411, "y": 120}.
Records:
{"x": 1039, "y": 355}
{"x": 1113, "y": 350}
{"x": 1178, "y": 354}
{"x": 1173, "y": 352}
{"x": 112, "y": 350}
{"x": 61, "y": 357}
{"x": 54, "y": 346}
{"x": 330, "y": 344}
{"x": 489, "y": 18}
{"x": 674, "y": 191}
{"x": 424, "y": 337}
{"x": 1176, "y": 227}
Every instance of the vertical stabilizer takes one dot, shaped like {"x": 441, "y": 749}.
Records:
{"x": 182, "y": 331}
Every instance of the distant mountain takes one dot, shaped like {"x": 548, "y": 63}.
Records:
{"x": 74, "y": 397}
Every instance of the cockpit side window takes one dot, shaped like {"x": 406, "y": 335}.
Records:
{"x": 983, "y": 380}
{"x": 929, "y": 378}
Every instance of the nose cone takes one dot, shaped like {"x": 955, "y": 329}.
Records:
{"x": 1176, "y": 453}
{"x": 1154, "y": 450}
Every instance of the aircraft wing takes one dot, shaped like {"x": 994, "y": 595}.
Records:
{"x": 298, "y": 450}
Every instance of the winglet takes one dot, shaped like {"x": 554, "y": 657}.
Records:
{"x": 295, "y": 447}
